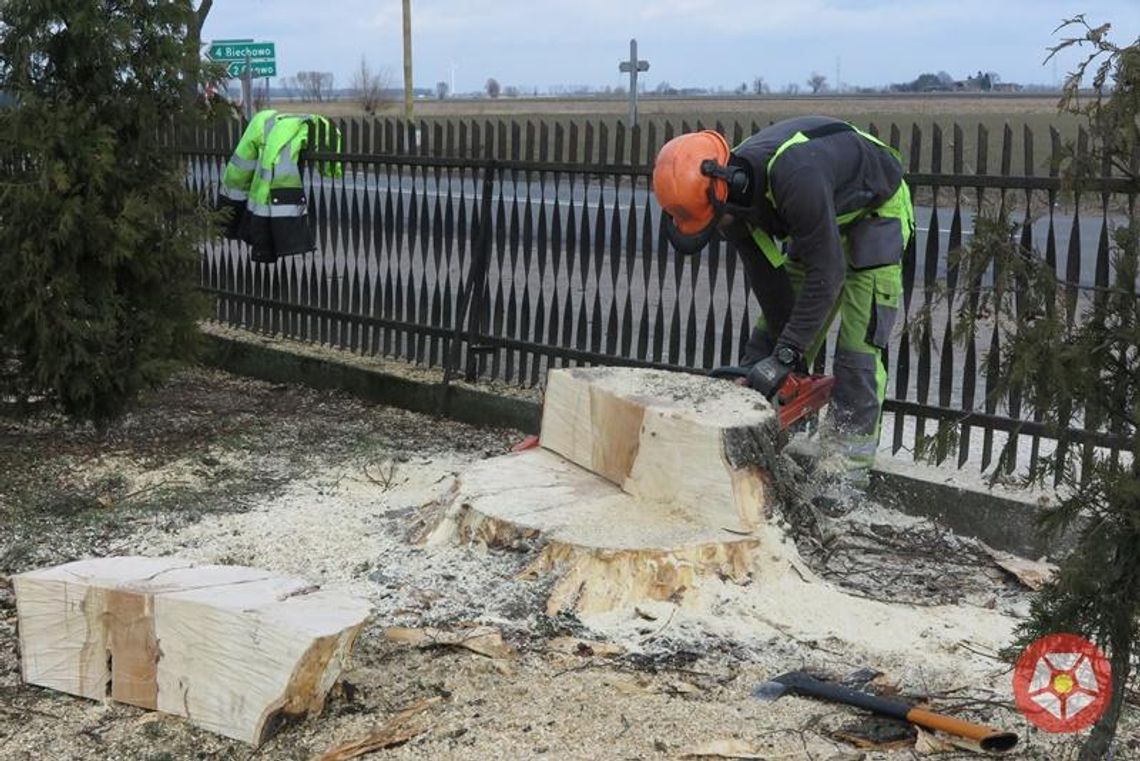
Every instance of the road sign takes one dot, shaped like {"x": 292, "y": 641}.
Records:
{"x": 257, "y": 68}
{"x": 239, "y": 51}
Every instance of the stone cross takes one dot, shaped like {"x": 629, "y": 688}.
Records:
{"x": 633, "y": 66}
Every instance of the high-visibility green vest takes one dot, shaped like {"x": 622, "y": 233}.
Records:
{"x": 263, "y": 186}
{"x": 897, "y": 207}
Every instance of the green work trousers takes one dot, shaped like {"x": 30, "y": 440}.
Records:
{"x": 868, "y": 308}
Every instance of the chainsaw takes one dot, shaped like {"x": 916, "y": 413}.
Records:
{"x": 799, "y": 396}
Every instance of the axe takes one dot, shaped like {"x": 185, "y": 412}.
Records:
{"x": 799, "y": 683}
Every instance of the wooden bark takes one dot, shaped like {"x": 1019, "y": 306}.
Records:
{"x": 235, "y": 650}
{"x": 646, "y": 485}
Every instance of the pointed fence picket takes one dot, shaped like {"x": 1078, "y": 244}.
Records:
{"x": 498, "y": 249}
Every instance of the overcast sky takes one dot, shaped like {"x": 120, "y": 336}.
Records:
{"x": 689, "y": 43}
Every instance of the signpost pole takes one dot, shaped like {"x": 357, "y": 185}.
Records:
{"x": 247, "y": 90}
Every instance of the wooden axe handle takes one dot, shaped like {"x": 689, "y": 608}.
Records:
{"x": 988, "y": 738}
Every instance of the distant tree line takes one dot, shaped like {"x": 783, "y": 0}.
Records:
{"x": 815, "y": 84}
{"x": 944, "y": 82}
{"x": 375, "y": 90}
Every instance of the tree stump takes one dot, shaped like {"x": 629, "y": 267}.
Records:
{"x": 235, "y": 650}
{"x": 646, "y": 483}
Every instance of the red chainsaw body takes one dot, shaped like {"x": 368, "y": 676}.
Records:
{"x": 801, "y": 396}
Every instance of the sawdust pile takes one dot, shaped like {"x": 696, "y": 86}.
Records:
{"x": 332, "y": 490}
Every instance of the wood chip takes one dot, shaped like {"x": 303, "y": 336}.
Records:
{"x": 483, "y": 640}
{"x": 866, "y": 743}
{"x": 929, "y": 744}
{"x": 884, "y": 686}
{"x": 680, "y": 688}
{"x": 1033, "y": 574}
{"x": 396, "y": 731}
{"x": 638, "y": 686}
{"x": 585, "y": 648}
{"x": 723, "y": 749}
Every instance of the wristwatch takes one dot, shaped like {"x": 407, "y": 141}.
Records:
{"x": 787, "y": 355}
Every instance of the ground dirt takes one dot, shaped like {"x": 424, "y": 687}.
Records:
{"x": 215, "y": 468}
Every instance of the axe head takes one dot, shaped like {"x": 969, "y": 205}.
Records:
{"x": 791, "y": 683}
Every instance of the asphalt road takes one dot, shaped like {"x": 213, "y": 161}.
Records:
{"x": 567, "y": 191}
{"x": 624, "y": 199}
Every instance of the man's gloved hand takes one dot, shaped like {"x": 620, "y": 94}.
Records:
{"x": 767, "y": 375}
{"x": 732, "y": 372}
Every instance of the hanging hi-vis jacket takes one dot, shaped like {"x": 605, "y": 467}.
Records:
{"x": 262, "y": 185}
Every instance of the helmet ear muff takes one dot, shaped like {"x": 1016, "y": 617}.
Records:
{"x": 734, "y": 177}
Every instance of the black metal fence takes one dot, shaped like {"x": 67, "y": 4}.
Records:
{"x": 498, "y": 249}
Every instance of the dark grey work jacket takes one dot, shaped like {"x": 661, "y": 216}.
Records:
{"x": 812, "y": 183}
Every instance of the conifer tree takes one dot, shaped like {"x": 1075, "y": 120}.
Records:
{"x": 98, "y": 231}
{"x": 1073, "y": 353}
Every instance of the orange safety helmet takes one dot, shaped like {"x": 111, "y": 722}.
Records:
{"x": 685, "y": 192}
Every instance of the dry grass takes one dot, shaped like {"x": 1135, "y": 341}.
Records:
{"x": 899, "y": 106}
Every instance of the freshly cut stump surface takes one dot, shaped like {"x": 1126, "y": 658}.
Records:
{"x": 235, "y": 650}
{"x": 670, "y": 438}
{"x": 646, "y": 484}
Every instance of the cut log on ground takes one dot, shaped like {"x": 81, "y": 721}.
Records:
{"x": 646, "y": 484}
{"x": 235, "y": 650}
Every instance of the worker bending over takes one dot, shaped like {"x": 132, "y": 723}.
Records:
{"x": 836, "y": 196}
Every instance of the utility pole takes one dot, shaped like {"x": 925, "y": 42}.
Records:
{"x": 633, "y": 65}
{"x": 408, "y": 60}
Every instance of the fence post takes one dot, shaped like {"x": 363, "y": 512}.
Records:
{"x": 470, "y": 314}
